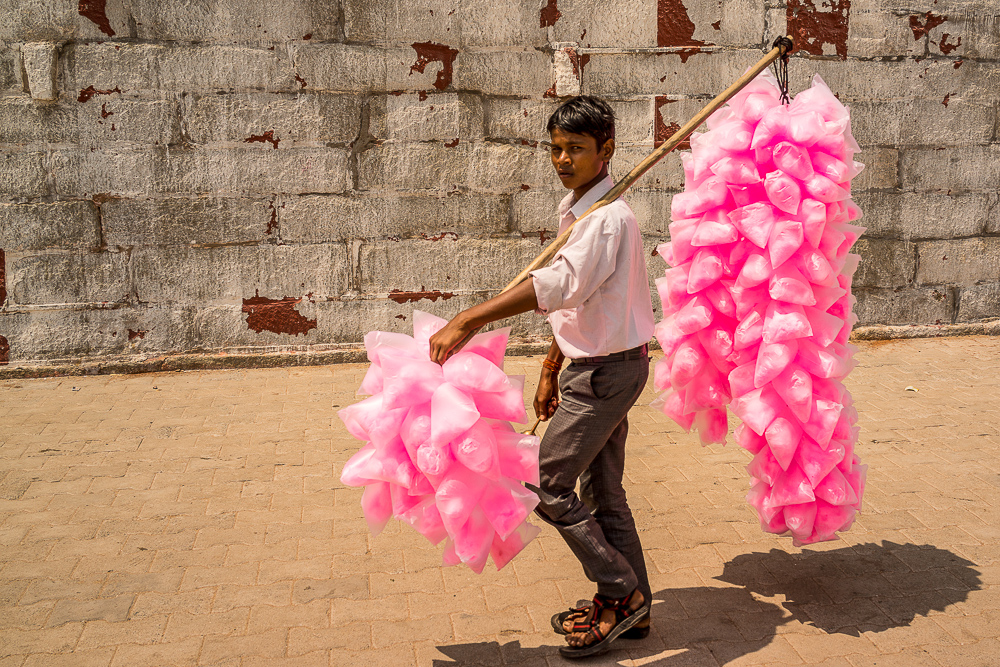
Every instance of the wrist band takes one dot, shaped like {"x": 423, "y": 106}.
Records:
{"x": 551, "y": 365}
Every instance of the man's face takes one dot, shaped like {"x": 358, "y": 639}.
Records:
{"x": 576, "y": 157}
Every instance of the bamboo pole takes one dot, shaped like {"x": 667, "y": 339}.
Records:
{"x": 654, "y": 157}
{"x": 644, "y": 166}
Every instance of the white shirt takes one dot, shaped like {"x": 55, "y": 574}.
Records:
{"x": 596, "y": 291}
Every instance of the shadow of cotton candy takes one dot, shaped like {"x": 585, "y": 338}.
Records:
{"x": 864, "y": 588}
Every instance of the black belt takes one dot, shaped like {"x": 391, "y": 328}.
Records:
{"x": 627, "y": 355}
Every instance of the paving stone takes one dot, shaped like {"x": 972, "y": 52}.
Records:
{"x": 914, "y": 583}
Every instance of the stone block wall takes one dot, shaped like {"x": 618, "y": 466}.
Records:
{"x": 225, "y": 175}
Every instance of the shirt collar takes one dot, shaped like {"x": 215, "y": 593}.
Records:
{"x": 592, "y": 195}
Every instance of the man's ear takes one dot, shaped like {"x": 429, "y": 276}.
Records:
{"x": 607, "y": 150}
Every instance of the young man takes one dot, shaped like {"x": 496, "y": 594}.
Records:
{"x": 596, "y": 296}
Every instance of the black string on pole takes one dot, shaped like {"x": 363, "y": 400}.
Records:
{"x": 781, "y": 66}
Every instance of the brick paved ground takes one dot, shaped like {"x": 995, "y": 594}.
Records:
{"x": 197, "y": 519}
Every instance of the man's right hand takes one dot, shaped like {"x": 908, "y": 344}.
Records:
{"x": 547, "y": 395}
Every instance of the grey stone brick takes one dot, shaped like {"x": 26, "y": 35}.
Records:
{"x": 66, "y": 225}
{"x": 229, "y": 274}
{"x": 22, "y": 175}
{"x": 979, "y": 302}
{"x": 881, "y": 170}
{"x": 633, "y": 121}
{"x": 67, "y": 277}
{"x": 929, "y": 79}
{"x": 603, "y": 24}
{"x": 873, "y": 32}
{"x": 32, "y": 20}
{"x": 738, "y": 23}
{"x": 134, "y": 67}
{"x": 951, "y": 169}
{"x": 518, "y": 119}
{"x": 922, "y": 122}
{"x": 905, "y": 305}
{"x": 355, "y": 68}
{"x": 23, "y": 121}
{"x": 965, "y": 34}
{"x": 515, "y": 73}
{"x": 934, "y": 123}
{"x": 667, "y": 174}
{"x": 235, "y": 171}
{"x": 10, "y": 79}
{"x": 226, "y": 20}
{"x": 177, "y": 221}
{"x": 482, "y": 166}
{"x": 428, "y": 117}
{"x": 324, "y": 219}
{"x": 100, "y": 121}
{"x": 469, "y": 23}
{"x": 652, "y": 210}
{"x": 46, "y": 335}
{"x": 39, "y": 60}
{"x": 707, "y": 73}
{"x": 885, "y": 263}
{"x": 459, "y": 265}
{"x": 925, "y": 215}
{"x": 303, "y": 118}
{"x": 877, "y": 122}
{"x": 963, "y": 262}
{"x": 340, "y": 67}
{"x": 537, "y": 210}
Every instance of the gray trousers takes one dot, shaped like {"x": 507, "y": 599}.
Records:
{"x": 585, "y": 440}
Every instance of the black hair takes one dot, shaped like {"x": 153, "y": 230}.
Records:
{"x": 585, "y": 115}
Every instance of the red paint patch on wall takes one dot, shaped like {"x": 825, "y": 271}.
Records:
{"x": 302, "y": 82}
{"x": 813, "y": 27}
{"x": 4, "y": 351}
{"x": 663, "y": 130}
{"x": 96, "y": 12}
{"x": 87, "y": 93}
{"x": 675, "y": 28}
{"x": 543, "y": 236}
{"x": 267, "y": 137}
{"x": 922, "y": 27}
{"x": 428, "y": 52}
{"x": 272, "y": 224}
{"x": 141, "y": 333}
{"x": 946, "y": 98}
{"x": 276, "y": 315}
{"x": 451, "y": 236}
{"x": 104, "y": 111}
{"x": 577, "y": 61}
{"x": 451, "y": 144}
{"x": 400, "y": 296}
{"x": 3, "y": 278}
{"x": 958, "y": 63}
{"x": 549, "y": 14}
{"x": 947, "y": 48}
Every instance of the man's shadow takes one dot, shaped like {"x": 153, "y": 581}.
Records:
{"x": 865, "y": 588}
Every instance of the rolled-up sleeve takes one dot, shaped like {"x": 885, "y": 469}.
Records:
{"x": 581, "y": 266}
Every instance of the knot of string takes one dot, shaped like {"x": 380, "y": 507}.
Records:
{"x": 781, "y": 66}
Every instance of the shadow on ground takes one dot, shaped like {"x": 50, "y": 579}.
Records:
{"x": 865, "y": 588}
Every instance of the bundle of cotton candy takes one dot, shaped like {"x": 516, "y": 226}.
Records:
{"x": 440, "y": 453}
{"x": 767, "y": 199}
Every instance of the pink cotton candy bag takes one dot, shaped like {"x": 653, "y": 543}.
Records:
{"x": 784, "y": 262}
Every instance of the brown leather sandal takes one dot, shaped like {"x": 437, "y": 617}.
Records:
{"x": 625, "y": 619}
